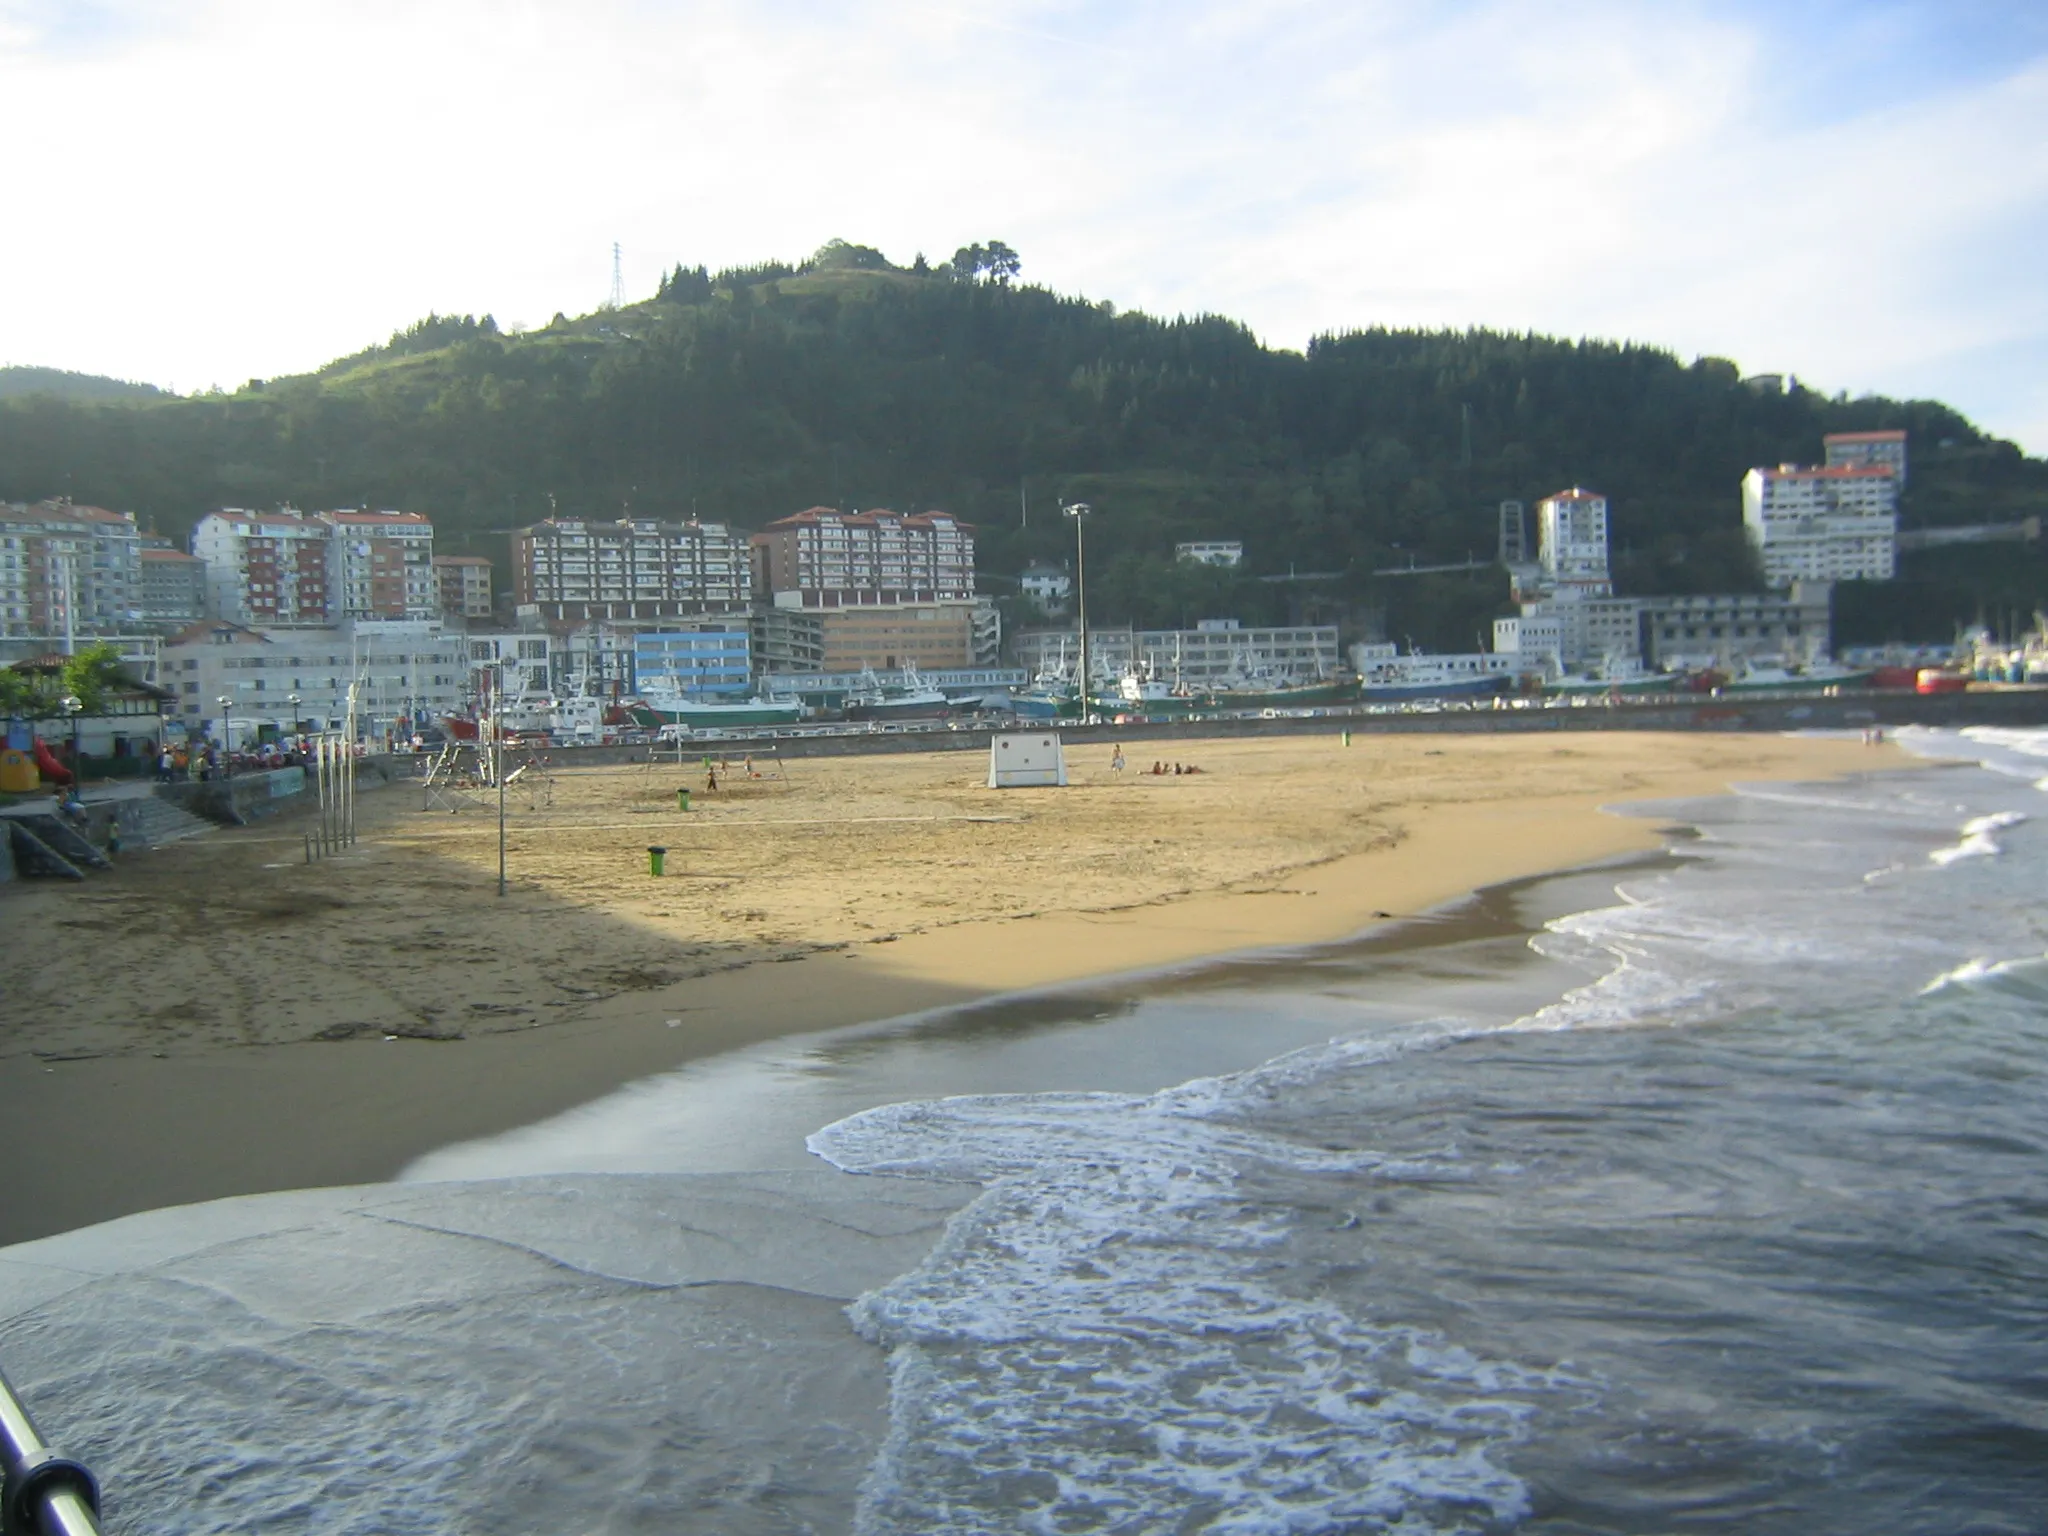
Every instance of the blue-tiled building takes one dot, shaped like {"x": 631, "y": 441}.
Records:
{"x": 696, "y": 661}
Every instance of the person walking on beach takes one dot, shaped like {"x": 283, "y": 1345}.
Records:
{"x": 1116, "y": 762}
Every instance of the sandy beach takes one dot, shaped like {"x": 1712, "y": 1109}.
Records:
{"x": 216, "y": 1017}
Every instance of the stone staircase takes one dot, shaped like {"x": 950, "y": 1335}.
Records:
{"x": 38, "y": 843}
{"x": 151, "y": 823}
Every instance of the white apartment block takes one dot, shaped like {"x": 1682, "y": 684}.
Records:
{"x": 1574, "y": 632}
{"x": 290, "y": 569}
{"x": 381, "y": 565}
{"x": 1228, "y": 552}
{"x": 1571, "y": 529}
{"x": 636, "y": 568}
{"x": 821, "y": 558}
{"x": 1215, "y": 651}
{"x": 1838, "y": 524}
{"x": 523, "y": 662}
{"x": 68, "y": 569}
{"x": 1868, "y": 450}
{"x": 266, "y": 569}
{"x": 407, "y": 674}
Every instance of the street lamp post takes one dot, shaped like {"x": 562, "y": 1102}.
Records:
{"x": 227, "y": 735}
{"x": 1079, "y": 512}
{"x": 295, "y": 701}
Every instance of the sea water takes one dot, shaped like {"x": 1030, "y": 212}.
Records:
{"x": 1726, "y": 1208}
{"x": 1749, "y": 1233}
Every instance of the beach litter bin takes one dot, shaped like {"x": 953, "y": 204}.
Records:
{"x": 683, "y": 799}
{"x": 1347, "y": 738}
{"x": 654, "y": 858}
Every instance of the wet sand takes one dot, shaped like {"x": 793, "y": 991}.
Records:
{"x": 216, "y": 1018}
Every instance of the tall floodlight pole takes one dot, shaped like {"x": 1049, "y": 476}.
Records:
{"x": 348, "y": 767}
{"x": 73, "y": 707}
{"x": 1079, "y": 512}
{"x": 498, "y": 773}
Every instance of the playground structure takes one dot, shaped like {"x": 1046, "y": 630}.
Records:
{"x": 464, "y": 775}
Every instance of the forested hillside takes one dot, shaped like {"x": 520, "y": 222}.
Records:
{"x": 757, "y": 392}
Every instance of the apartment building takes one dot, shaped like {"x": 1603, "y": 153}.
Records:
{"x": 381, "y": 565}
{"x": 577, "y": 570}
{"x": 825, "y": 559}
{"x": 266, "y": 569}
{"x": 1868, "y": 450}
{"x": 1571, "y": 551}
{"x": 1823, "y": 524}
{"x": 68, "y": 569}
{"x": 172, "y": 589}
{"x": 463, "y": 584}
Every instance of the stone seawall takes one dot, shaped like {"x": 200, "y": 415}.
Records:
{"x": 2014, "y": 707}
{"x": 246, "y": 797}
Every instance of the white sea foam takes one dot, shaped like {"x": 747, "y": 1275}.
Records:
{"x": 2013, "y": 753}
{"x": 1105, "y": 1340}
{"x": 2026, "y": 977}
{"x": 1977, "y": 841}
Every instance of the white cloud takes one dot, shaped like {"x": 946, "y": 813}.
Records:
{"x": 238, "y": 188}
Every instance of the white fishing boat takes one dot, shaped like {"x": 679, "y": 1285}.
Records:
{"x": 909, "y": 699}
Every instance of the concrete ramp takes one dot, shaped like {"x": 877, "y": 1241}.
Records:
{"x": 34, "y": 857}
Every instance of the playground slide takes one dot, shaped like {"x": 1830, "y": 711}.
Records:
{"x": 48, "y": 765}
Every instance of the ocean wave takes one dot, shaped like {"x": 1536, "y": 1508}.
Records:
{"x": 1977, "y": 841}
{"x": 1105, "y": 1339}
{"x": 2025, "y": 978}
{"x": 2009, "y": 752}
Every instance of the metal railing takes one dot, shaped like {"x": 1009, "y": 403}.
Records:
{"x": 43, "y": 1493}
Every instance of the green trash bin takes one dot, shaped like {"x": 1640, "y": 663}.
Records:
{"x": 683, "y": 799}
{"x": 654, "y": 858}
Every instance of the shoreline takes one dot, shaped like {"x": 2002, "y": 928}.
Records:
{"x": 114, "y": 1134}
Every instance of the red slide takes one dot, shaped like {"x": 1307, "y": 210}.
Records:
{"x": 49, "y": 767}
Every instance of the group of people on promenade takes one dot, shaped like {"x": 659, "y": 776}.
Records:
{"x": 205, "y": 760}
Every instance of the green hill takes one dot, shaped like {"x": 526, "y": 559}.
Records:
{"x": 19, "y": 380}
{"x": 754, "y": 393}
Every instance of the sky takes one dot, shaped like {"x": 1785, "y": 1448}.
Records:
{"x": 198, "y": 192}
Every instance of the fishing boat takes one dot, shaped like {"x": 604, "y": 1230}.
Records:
{"x": 1052, "y": 694}
{"x": 1254, "y": 687}
{"x": 1616, "y": 675}
{"x": 909, "y": 699}
{"x": 1387, "y": 676}
{"x": 657, "y": 707}
{"x": 1139, "y": 691}
{"x": 1771, "y": 677}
